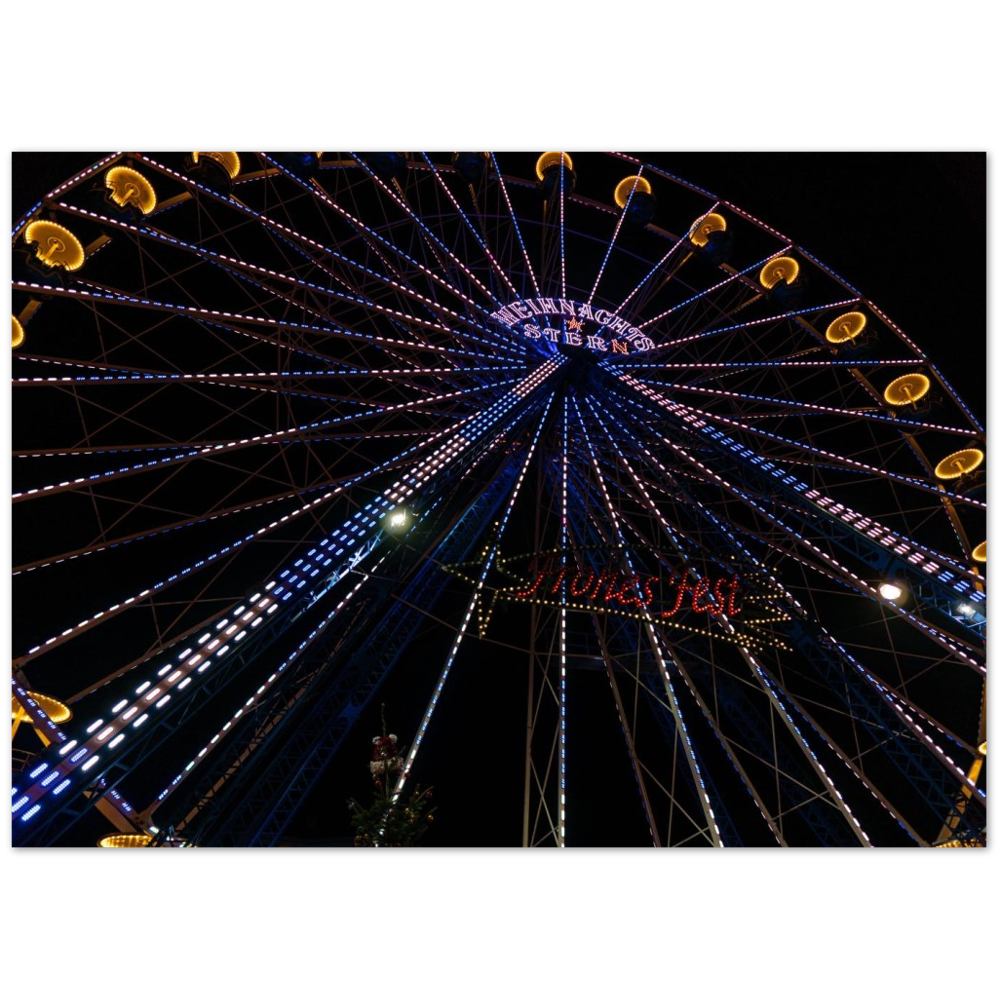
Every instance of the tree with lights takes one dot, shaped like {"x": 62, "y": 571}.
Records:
{"x": 386, "y": 823}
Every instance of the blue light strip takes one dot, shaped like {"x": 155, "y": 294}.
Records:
{"x": 513, "y": 219}
{"x": 361, "y": 527}
{"x": 930, "y": 562}
{"x": 809, "y": 407}
{"x": 272, "y": 437}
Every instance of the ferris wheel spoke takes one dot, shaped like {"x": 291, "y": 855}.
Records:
{"x": 735, "y": 276}
{"x": 585, "y": 532}
{"x": 75, "y": 181}
{"x": 825, "y": 563}
{"x": 104, "y": 543}
{"x": 106, "y": 615}
{"x": 702, "y": 421}
{"x": 832, "y": 459}
{"x": 649, "y": 289}
{"x": 611, "y": 243}
{"x": 514, "y": 222}
{"x": 275, "y": 437}
{"x": 474, "y": 602}
{"x": 268, "y": 382}
{"x": 709, "y": 717}
{"x": 562, "y": 223}
{"x": 323, "y": 197}
{"x": 435, "y": 245}
{"x": 797, "y": 408}
{"x": 497, "y": 269}
{"x": 256, "y": 276}
{"x": 774, "y": 821}
{"x": 748, "y": 324}
{"x": 740, "y": 367}
{"x": 831, "y": 565}
{"x": 429, "y": 273}
{"x": 711, "y": 827}
{"x": 259, "y": 699}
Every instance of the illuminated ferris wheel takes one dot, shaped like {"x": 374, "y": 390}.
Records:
{"x": 290, "y": 427}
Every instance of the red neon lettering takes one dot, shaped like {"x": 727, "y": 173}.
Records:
{"x": 720, "y": 596}
{"x": 731, "y": 608}
{"x": 702, "y": 587}
{"x": 682, "y": 588}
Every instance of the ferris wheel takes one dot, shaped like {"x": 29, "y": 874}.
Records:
{"x": 290, "y": 427}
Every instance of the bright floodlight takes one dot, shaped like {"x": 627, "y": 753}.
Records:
{"x": 398, "y": 518}
{"x": 965, "y": 609}
{"x": 890, "y": 591}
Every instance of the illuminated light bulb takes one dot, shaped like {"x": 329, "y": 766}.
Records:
{"x": 890, "y": 591}
{"x": 229, "y": 161}
{"x": 126, "y": 840}
{"x": 55, "y": 245}
{"x": 547, "y": 160}
{"x": 625, "y": 188}
{"x": 55, "y": 710}
{"x": 16, "y": 332}
{"x": 780, "y": 269}
{"x": 979, "y": 552}
{"x": 907, "y": 389}
{"x": 965, "y": 609}
{"x": 846, "y": 327}
{"x": 982, "y": 748}
{"x": 128, "y": 187}
{"x": 959, "y": 463}
{"x": 705, "y": 226}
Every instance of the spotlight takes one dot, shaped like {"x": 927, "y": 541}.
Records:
{"x": 966, "y": 610}
{"x": 890, "y": 591}
{"x": 398, "y": 519}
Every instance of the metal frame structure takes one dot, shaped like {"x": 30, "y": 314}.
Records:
{"x": 286, "y": 424}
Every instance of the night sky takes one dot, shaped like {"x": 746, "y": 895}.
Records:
{"x": 883, "y": 222}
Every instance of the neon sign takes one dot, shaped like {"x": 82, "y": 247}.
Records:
{"x": 717, "y": 597}
{"x": 732, "y": 607}
{"x": 613, "y": 334}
